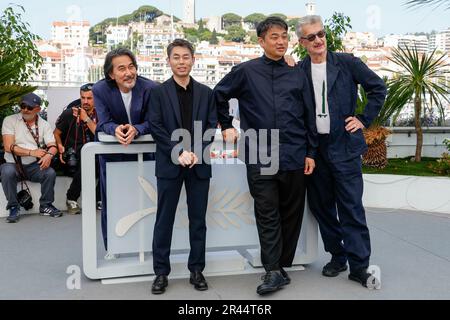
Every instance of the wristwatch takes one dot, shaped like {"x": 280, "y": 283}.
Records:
{"x": 87, "y": 120}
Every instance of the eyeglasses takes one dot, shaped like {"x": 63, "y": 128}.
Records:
{"x": 86, "y": 87}
{"x": 24, "y": 106}
{"x": 312, "y": 37}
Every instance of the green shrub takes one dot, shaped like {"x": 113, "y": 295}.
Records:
{"x": 442, "y": 166}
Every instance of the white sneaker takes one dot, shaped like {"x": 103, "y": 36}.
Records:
{"x": 73, "y": 207}
{"x": 111, "y": 256}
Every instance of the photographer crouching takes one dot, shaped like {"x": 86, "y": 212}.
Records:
{"x": 74, "y": 128}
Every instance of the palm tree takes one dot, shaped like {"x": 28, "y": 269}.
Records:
{"x": 10, "y": 92}
{"x": 435, "y": 3}
{"x": 376, "y": 134}
{"x": 421, "y": 81}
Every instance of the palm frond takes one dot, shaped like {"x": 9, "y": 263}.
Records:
{"x": 421, "y": 79}
{"x": 433, "y": 3}
{"x": 10, "y": 94}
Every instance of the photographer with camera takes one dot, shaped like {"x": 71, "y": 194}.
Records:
{"x": 74, "y": 128}
{"x": 29, "y": 149}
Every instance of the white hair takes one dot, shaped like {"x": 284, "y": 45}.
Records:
{"x": 307, "y": 20}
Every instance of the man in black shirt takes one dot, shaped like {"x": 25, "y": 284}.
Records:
{"x": 175, "y": 105}
{"x": 74, "y": 128}
{"x": 275, "y": 97}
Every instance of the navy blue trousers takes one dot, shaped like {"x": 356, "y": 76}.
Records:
{"x": 197, "y": 201}
{"x": 335, "y": 198}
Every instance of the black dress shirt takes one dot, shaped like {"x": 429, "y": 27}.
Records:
{"x": 186, "y": 100}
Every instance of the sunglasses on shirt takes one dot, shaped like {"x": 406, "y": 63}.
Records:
{"x": 312, "y": 37}
{"x": 24, "y": 106}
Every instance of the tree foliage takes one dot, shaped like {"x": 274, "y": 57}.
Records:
{"x": 279, "y": 15}
{"x": 231, "y": 19}
{"x": 254, "y": 19}
{"x": 18, "y": 42}
{"x": 292, "y": 23}
{"x": 201, "y": 34}
{"x": 214, "y": 39}
{"x": 143, "y": 13}
{"x": 19, "y": 60}
{"x": 236, "y": 34}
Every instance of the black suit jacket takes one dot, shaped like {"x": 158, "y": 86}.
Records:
{"x": 164, "y": 117}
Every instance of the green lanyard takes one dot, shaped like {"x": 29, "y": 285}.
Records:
{"x": 323, "y": 97}
{"x": 323, "y": 115}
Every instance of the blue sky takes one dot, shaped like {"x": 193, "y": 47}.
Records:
{"x": 378, "y": 16}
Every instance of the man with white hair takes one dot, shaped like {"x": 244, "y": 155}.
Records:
{"x": 336, "y": 186}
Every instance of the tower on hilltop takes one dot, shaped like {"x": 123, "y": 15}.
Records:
{"x": 310, "y": 8}
{"x": 189, "y": 11}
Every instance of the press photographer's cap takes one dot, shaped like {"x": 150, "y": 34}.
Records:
{"x": 31, "y": 100}
{"x": 86, "y": 87}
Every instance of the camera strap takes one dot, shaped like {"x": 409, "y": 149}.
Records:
{"x": 74, "y": 122}
{"x": 35, "y": 135}
{"x": 20, "y": 169}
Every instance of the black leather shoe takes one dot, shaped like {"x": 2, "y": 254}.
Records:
{"x": 198, "y": 280}
{"x": 362, "y": 276}
{"x": 272, "y": 281}
{"x": 159, "y": 284}
{"x": 333, "y": 268}
{"x": 287, "y": 279}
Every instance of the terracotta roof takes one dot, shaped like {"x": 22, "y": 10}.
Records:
{"x": 71, "y": 23}
{"x": 50, "y": 54}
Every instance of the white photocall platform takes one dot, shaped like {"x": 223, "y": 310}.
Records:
{"x": 232, "y": 239}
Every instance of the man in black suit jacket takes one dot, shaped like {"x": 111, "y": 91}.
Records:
{"x": 181, "y": 103}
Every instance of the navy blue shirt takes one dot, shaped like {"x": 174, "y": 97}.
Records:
{"x": 272, "y": 95}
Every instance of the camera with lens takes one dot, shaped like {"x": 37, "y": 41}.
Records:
{"x": 71, "y": 159}
{"x": 25, "y": 200}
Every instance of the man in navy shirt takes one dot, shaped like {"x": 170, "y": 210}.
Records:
{"x": 275, "y": 97}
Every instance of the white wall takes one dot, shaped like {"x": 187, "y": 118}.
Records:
{"x": 393, "y": 192}
{"x": 61, "y": 186}
{"x": 402, "y": 143}
{"x": 59, "y": 98}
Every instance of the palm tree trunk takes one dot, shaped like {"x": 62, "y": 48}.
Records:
{"x": 419, "y": 132}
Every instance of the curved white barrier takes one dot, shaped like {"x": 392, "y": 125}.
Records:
{"x": 427, "y": 194}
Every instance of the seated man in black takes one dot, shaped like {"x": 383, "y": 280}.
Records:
{"x": 74, "y": 128}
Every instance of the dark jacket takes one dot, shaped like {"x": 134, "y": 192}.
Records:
{"x": 344, "y": 73}
{"x": 164, "y": 117}
{"x": 110, "y": 108}
{"x": 271, "y": 95}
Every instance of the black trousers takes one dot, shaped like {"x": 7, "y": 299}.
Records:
{"x": 279, "y": 204}
{"x": 74, "y": 191}
{"x": 197, "y": 202}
